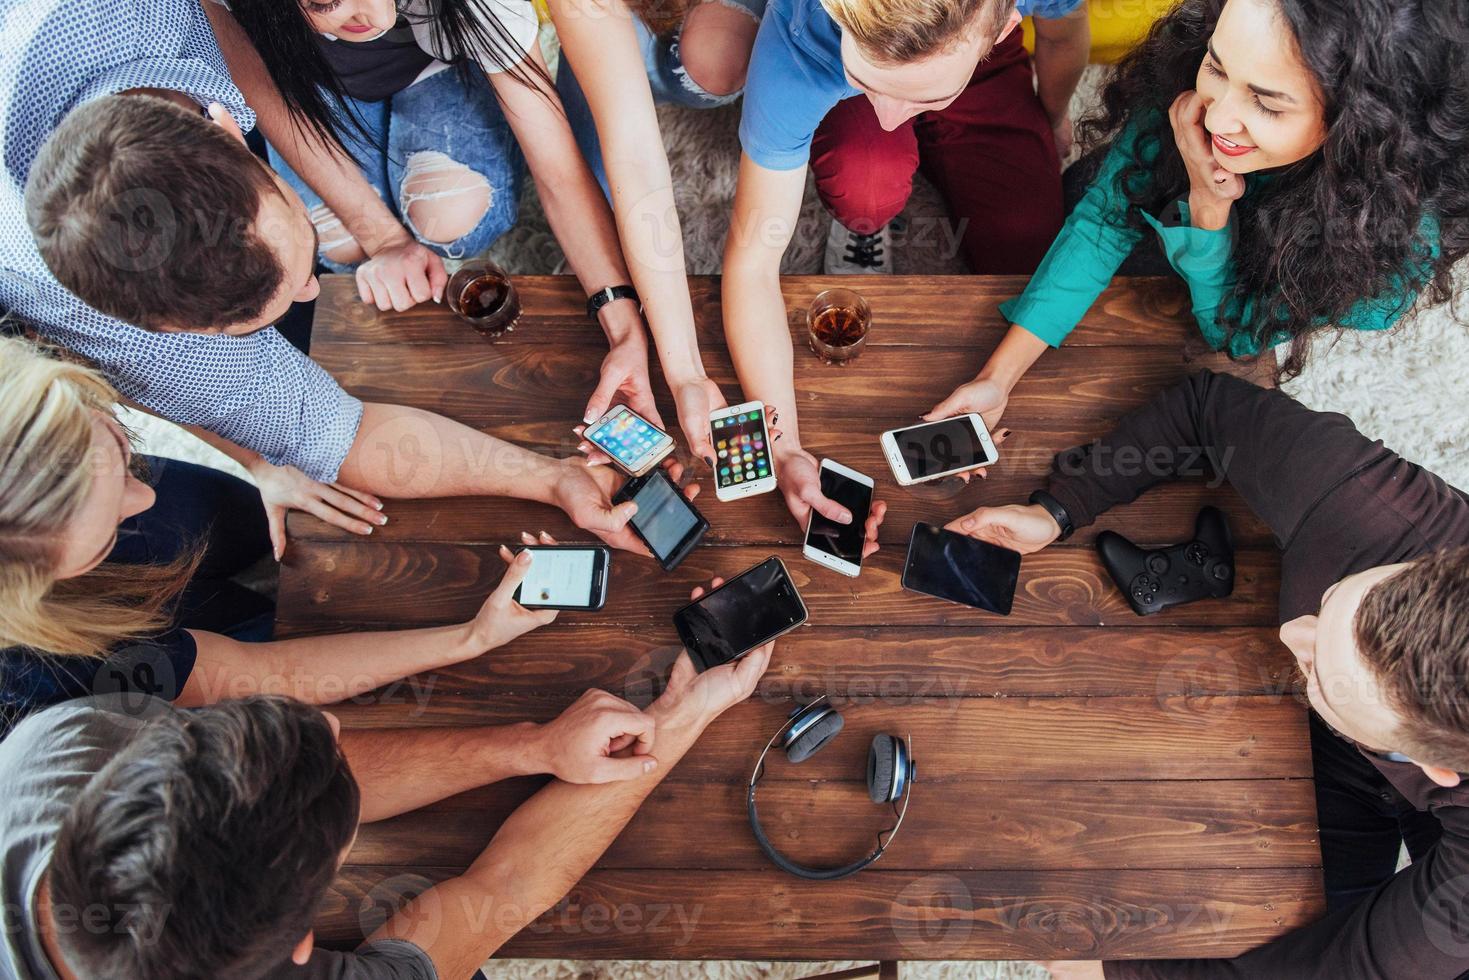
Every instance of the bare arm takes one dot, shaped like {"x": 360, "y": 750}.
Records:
{"x": 1062, "y": 48}
{"x": 598, "y": 39}
{"x": 555, "y": 837}
{"x": 325, "y": 669}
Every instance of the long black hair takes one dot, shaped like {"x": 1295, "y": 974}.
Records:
{"x": 1344, "y": 224}
{"x": 288, "y": 46}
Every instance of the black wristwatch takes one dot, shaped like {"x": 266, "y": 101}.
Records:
{"x": 1057, "y": 512}
{"x": 607, "y": 294}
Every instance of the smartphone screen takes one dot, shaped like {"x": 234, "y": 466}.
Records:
{"x": 562, "y": 577}
{"x": 739, "y": 441}
{"x": 959, "y": 568}
{"x": 842, "y": 541}
{"x": 664, "y": 518}
{"x": 737, "y": 617}
{"x": 939, "y": 447}
{"x": 627, "y": 437}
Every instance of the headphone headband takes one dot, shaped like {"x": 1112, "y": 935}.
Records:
{"x": 902, "y": 772}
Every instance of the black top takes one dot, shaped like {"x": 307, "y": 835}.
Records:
{"x": 30, "y": 681}
{"x": 1338, "y": 503}
{"x": 371, "y": 71}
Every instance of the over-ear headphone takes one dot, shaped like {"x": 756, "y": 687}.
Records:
{"x": 890, "y": 774}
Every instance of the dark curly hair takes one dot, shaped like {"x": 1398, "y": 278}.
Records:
{"x": 1345, "y": 224}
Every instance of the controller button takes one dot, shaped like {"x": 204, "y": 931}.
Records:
{"x": 1221, "y": 572}
{"x": 1157, "y": 563}
{"x": 1196, "y": 553}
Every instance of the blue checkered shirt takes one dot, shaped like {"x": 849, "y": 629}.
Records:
{"x": 257, "y": 391}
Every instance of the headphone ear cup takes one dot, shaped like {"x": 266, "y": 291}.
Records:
{"x": 882, "y": 766}
{"x": 811, "y": 740}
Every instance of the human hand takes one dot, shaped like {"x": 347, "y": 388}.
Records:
{"x": 401, "y": 275}
{"x": 1026, "y": 528}
{"x": 1074, "y": 969}
{"x": 696, "y": 398}
{"x": 717, "y": 689}
{"x": 599, "y": 739}
{"x": 584, "y": 491}
{"x": 798, "y": 476}
{"x": 983, "y": 396}
{"x": 285, "y": 488}
{"x": 502, "y": 619}
{"x": 624, "y": 381}
{"x": 1212, "y": 189}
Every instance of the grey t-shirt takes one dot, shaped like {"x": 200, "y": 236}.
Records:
{"x": 44, "y": 763}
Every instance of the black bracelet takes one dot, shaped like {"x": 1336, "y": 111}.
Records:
{"x": 1057, "y": 511}
{"x": 607, "y": 294}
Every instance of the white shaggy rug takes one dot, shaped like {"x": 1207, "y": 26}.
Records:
{"x": 1410, "y": 388}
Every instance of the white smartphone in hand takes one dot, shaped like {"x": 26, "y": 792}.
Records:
{"x": 839, "y": 546}
{"x": 933, "y": 450}
{"x": 634, "y": 444}
{"x": 743, "y": 465}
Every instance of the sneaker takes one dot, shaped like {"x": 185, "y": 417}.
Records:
{"x": 848, "y": 253}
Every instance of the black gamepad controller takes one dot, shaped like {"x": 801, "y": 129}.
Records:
{"x": 1154, "y": 579}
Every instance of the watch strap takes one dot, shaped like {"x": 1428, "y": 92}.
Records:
{"x": 1058, "y": 512}
{"x": 607, "y": 294}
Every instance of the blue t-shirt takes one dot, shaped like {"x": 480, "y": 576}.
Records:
{"x": 796, "y": 77}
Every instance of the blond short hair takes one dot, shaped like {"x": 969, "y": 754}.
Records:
{"x": 900, "y": 31}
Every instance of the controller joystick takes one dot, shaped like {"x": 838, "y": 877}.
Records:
{"x": 1154, "y": 579}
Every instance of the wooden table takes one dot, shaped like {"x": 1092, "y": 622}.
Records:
{"x": 1091, "y": 783}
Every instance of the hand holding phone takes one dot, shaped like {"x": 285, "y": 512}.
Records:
{"x": 666, "y": 521}
{"x": 565, "y": 577}
{"x": 840, "y": 546}
{"x": 746, "y": 612}
{"x": 933, "y": 450}
{"x": 713, "y": 691}
{"x": 502, "y": 619}
{"x": 632, "y": 443}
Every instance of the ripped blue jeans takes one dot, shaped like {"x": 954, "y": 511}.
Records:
{"x": 440, "y": 139}
{"x": 666, "y": 75}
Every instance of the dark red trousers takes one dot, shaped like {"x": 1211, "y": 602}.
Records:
{"x": 990, "y": 154}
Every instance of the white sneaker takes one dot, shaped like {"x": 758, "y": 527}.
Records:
{"x": 848, "y": 253}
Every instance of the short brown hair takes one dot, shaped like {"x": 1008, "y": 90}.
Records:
{"x": 900, "y": 31}
{"x": 1413, "y": 631}
{"x": 147, "y": 211}
{"x": 209, "y": 841}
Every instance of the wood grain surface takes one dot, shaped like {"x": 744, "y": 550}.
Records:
{"x": 1090, "y": 783}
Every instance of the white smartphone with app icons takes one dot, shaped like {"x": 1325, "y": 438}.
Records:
{"x": 634, "y": 444}
{"x": 743, "y": 465}
{"x": 933, "y": 450}
{"x": 839, "y": 546}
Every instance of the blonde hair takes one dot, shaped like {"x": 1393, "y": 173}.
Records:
{"x": 46, "y": 410}
{"x": 900, "y": 31}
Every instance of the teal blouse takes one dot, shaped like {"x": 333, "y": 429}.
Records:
{"x": 1090, "y": 248}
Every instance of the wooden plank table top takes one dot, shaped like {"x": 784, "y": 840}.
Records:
{"x": 1091, "y": 784}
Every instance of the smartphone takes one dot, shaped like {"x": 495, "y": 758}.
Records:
{"x": 566, "y": 577}
{"x": 961, "y": 569}
{"x": 839, "y": 546}
{"x": 742, "y": 467}
{"x": 936, "y": 449}
{"x": 634, "y": 444}
{"x": 666, "y": 522}
{"x": 752, "y": 608}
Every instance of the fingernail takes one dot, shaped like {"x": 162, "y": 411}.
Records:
{"x": 589, "y": 418}
{"x": 383, "y": 519}
{"x": 710, "y": 461}
{"x": 649, "y": 765}
{"x": 777, "y": 437}
{"x": 369, "y": 529}
{"x": 379, "y": 505}
{"x": 277, "y": 553}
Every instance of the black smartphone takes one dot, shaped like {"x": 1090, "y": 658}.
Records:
{"x": 666, "y": 521}
{"x": 566, "y": 576}
{"x": 752, "y": 608}
{"x": 961, "y": 569}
